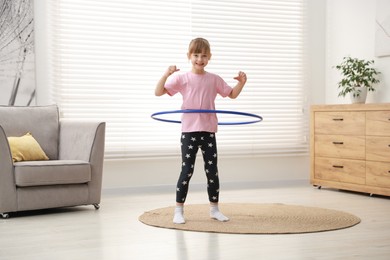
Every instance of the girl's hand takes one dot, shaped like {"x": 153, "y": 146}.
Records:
{"x": 171, "y": 69}
{"x": 241, "y": 77}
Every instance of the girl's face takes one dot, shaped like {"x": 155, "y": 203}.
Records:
{"x": 199, "y": 61}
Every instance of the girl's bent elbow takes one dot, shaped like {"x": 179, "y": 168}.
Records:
{"x": 232, "y": 96}
{"x": 159, "y": 92}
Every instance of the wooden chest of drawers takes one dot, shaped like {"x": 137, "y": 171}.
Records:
{"x": 350, "y": 147}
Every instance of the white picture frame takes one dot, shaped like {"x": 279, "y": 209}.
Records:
{"x": 382, "y": 28}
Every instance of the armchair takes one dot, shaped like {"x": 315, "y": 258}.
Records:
{"x": 73, "y": 174}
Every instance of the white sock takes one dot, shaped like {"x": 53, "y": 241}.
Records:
{"x": 178, "y": 218}
{"x": 216, "y": 214}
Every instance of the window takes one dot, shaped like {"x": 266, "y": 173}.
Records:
{"x": 107, "y": 56}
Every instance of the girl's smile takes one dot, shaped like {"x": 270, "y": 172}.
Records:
{"x": 199, "y": 61}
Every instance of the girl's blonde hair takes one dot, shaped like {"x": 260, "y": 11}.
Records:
{"x": 199, "y": 45}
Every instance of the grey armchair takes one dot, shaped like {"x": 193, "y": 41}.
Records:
{"x": 73, "y": 174}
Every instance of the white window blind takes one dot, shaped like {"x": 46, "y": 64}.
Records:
{"x": 107, "y": 56}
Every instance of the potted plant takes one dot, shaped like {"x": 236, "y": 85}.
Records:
{"x": 358, "y": 78}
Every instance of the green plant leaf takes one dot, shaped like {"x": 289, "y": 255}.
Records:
{"x": 356, "y": 73}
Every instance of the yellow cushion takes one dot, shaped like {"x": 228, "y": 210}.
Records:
{"x": 26, "y": 148}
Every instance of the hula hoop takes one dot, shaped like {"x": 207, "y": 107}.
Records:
{"x": 258, "y": 118}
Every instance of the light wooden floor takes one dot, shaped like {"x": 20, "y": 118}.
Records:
{"x": 114, "y": 232}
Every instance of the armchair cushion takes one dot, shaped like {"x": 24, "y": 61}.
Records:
{"x": 26, "y": 148}
{"x": 53, "y": 172}
{"x": 41, "y": 121}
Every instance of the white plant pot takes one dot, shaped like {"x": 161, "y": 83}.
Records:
{"x": 361, "y": 98}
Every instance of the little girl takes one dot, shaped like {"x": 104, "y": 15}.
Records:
{"x": 199, "y": 89}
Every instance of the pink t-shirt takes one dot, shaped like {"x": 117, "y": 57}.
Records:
{"x": 199, "y": 92}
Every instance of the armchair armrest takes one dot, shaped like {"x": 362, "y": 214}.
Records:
{"x": 85, "y": 141}
{"x": 7, "y": 179}
{"x": 77, "y": 140}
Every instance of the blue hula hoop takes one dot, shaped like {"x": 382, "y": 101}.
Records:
{"x": 258, "y": 118}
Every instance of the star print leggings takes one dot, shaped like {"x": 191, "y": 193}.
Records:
{"x": 190, "y": 143}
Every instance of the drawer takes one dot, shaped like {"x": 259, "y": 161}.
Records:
{"x": 340, "y": 170}
{"x": 343, "y": 123}
{"x": 378, "y": 123}
{"x": 378, "y": 148}
{"x": 378, "y": 174}
{"x": 341, "y": 146}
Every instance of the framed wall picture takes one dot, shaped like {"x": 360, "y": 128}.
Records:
{"x": 17, "y": 59}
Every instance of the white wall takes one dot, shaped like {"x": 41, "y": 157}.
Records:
{"x": 41, "y": 52}
{"x": 350, "y": 30}
{"x": 316, "y": 50}
{"x": 138, "y": 173}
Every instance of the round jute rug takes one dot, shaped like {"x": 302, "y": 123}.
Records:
{"x": 253, "y": 219}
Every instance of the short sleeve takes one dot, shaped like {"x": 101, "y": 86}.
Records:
{"x": 173, "y": 85}
{"x": 223, "y": 88}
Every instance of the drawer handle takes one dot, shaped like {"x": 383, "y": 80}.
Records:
{"x": 339, "y": 119}
{"x": 338, "y": 166}
{"x": 340, "y": 143}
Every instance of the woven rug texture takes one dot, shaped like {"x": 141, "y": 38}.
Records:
{"x": 253, "y": 219}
